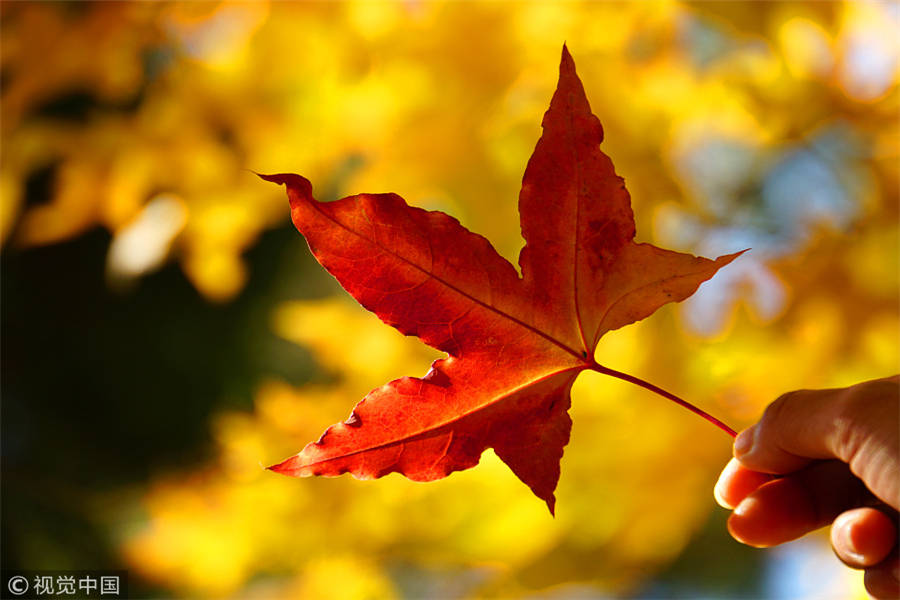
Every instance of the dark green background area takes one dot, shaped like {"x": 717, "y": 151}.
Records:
{"x": 101, "y": 390}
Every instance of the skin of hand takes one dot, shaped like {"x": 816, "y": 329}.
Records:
{"x": 819, "y": 457}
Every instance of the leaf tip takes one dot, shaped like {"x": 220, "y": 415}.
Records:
{"x": 285, "y": 467}
{"x": 727, "y": 258}
{"x": 291, "y": 180}
{"x": 566, "y": 62}
{"x": 299, "y": 189}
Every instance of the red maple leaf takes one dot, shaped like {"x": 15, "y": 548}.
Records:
{"x": 515, "y": 344}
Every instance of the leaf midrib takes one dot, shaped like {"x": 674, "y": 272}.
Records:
{"x": 406, "y": 438}
{"x": 449, "y": 285}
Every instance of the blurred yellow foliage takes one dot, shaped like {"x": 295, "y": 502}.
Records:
{"x": 441, "y": 102}
{"x": 477, "y": 517}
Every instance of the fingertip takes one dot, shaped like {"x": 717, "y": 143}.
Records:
{"x": 743, "y": 443}
{"x": 736, "y": 482}
{"x": 777, "y": 512}
{"x": 723, "y": 483}
{"x": 777, "y": 444}
{"x": 741, "y": 524}
{"x": 863, "y": 537}
{"x": 720, "y": 498}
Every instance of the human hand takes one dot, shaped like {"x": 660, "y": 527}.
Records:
{"x": 818, "y": 457}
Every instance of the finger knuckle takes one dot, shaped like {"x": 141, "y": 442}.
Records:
{"x": 778, "y": 411}
{"x": 781, "y": 417}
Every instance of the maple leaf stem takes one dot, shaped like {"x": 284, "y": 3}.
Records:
{"x": 658, "y": 390}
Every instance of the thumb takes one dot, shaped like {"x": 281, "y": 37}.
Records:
{"x": 859, "y": 425}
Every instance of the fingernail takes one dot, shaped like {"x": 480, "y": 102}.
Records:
{"x": 717, "y": 494}
{"x": 743, "y": 444}
{"x": 844, "y": 534}
{"x": 745, "y": 506}
{"x": 722, "y": 483}
{"x": 737, "y": 522}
